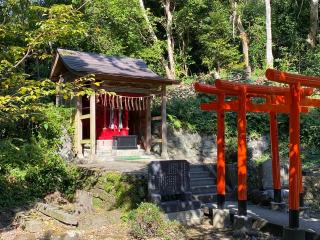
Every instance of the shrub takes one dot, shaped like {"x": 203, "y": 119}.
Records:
{"x": 147, "y": 221}
{"x": 30, "y": 167}
{"x": 128, "y": 191}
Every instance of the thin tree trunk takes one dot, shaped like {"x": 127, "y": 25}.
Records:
{"x": 245, "y": 46}
{"x": 244, "y": 38}
{"x": 269, "y": 55}
{"x": 155, "y": 39}
{"x": 170, "y": 39}
{"x": 314, "y": 20}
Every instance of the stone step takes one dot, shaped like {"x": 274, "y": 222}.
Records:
{"x": 103, "y": 152}
{"x": 202, "y": 168}
{"x": 205, "y": 197}
{"x": 198, "y": 168}
{"x": 203, "y": 189}
{"x": 202, "y": 181}
{"x": 200, "y": 174}
{"x": 209, "y": 197}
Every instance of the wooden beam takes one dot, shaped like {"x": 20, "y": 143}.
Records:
{"x": 93, "y": 125}
{"x": 156, "y": 118}
{"x": 131, "y": 90}
{"x": 85, "y": 141}
{"x": 284, "y": 77}
{"x": 164, "y": 148}
{"x": 148, "y": 126}
{"x": 85, "y": 116}
{"x": 78, "y": 127}
{"x": 251, "y": 107}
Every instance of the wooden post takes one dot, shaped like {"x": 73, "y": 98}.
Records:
{"x": 275, "y": 155}
{"x": 242, "y": 155}
{"x": 93, "y": 125}
{"x": 221, "y": 165}
{"x": 164, "y": 149}
{"x": 58, "y": 94}
{"x": 148, "y": 125}
{"x": 294, "y": 157}
{"x": 78, "y": 127}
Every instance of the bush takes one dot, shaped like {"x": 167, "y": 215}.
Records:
{"x": 128, "y": 191}
{"x": 30, "y": 166}
{"x": 147, "y": 221}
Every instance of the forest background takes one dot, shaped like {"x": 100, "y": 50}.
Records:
{"x": 187, "y": 40}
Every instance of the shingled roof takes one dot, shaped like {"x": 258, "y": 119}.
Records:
{"x": 83, "y": 63}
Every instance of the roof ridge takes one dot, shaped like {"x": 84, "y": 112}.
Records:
{"x": 61, "y": 50}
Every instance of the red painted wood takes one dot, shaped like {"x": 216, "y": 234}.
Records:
{"x": 258, "y": 89}
{"x": 275, "y": 150}
{"x": 294, "y": 148}
{"x": 221, "y": 165}
{"x": 242, "y": 147}
{"x": 284, "y": 77}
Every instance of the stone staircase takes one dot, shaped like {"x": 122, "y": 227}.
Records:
{"x": 203, "y": 183}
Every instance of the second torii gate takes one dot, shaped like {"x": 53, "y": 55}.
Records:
{"x": 276, "y": 102}
{"x": 295, "y": 81}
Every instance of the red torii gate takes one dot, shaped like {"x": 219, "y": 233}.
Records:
{"x": 276, "y": 102}
{"x": 295, "y": 81}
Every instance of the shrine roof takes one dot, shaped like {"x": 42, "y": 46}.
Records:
{"x": 104, "y": 67}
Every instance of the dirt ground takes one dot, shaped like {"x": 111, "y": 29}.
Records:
{"x": 102, "y": 226}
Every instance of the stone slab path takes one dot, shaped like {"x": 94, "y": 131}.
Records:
{"x": 118, "y": 166}
{"x": 277, "y": 217}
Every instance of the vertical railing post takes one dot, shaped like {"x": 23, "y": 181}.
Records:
{"x": 294, "y": 157}
{"x": 78, "y": 127}
{"x": 221, "y": 165}
{"x": 93, "y": 125}
{"x": 275, "y": 156}
{"x": 242, "y": 154}
{"x": 148, "y": 125}
{"x": 164, "y": 149}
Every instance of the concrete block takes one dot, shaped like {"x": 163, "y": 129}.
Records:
{"x": 220, "y": 218}
{"x": 282, "y": 207}
{"x": 241, "y": 222}
{"x": 293, "y": 234}
{"x": 190, "y": 217}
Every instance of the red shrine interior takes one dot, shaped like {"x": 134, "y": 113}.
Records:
{"x": 116, "y": 123}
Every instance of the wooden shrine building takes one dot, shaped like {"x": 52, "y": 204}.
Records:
{"x": 123, "y": 116}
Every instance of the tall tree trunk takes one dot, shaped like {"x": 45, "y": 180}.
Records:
{"x": 184, "y": 55}
{"x": 170, "y": 40}
{"x": 244, "y": 38}
{"x": 314, "y": 20}
{"x": 245, "y": 47}
{"x": 155, "y": 39}
{"x": 269, "y": 55}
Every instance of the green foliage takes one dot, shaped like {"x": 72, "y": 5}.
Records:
{"x": 128, "y": 190}
{"x": 30, "y": 166}
{"x": 147, "y": 221}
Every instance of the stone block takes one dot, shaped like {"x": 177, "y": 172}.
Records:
{"x": 57, "y": 214}
{"x": 241, "y": 222}
{"x": 220, "y": 218}
{"x": 190, "y": 217}
{"x": 259, "y": 223}
{"x": 304, "y": 212}
{"x": 265, "y": 175}
{"x": 282, "y": 207}
{"x": 33, "y": 226}
{"x": 293, "y": 234}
